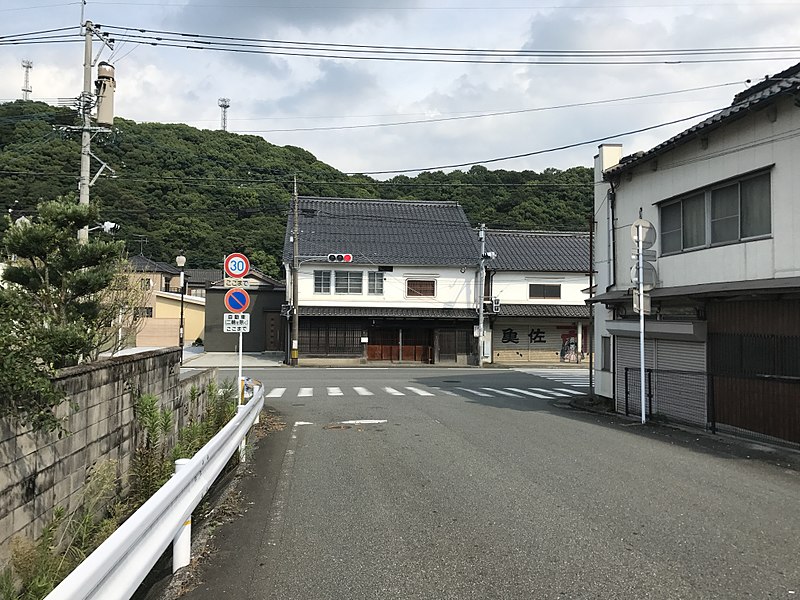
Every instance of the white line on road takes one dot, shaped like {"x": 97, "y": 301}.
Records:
{"x": 551, "y": 392}
{"x": 448, "y": 392}
{"x": 361, "y": 391}
{"x": 577, "y": 393}
{"x": 276, "y": 393}
{"x": 364, "y": 422}
{"x": 296, "y": 423}
{"x": 305, "y": 392}
{"x": 477, "y": 393}
{"x": 335, "y": 391}
{"x": 419, "y": 391}
{"x": 501, "y": 392}
{"x": 527, "y": 393}
{"x": 393, "y": 391}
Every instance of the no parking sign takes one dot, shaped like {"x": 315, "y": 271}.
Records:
{"x": 237, "y": 300}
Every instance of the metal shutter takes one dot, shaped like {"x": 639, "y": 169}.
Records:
{"x": 627, "y": 355}
{"x": 678, "y": 393}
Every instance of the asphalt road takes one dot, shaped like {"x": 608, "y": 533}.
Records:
{"x": 502, "y": 495}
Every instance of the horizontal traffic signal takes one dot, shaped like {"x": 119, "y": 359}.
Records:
{"x": 340, "y": 258}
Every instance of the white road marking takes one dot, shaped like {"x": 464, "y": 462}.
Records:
{"x": 501, "y": 392}
{"x": 393, "y": 391}
{"x": 477, "y": 393}
{"x": 364, "y": 422}
{"x": 335, "y": 391}
{"x": 527, "y": 393}
{"x": 361, "y": 391}
{"x": 577, "y": 393}
{"x": 419, "y": 391}
{"x": 276, "y": 393}
{"x": 296, "y": 423}
{"x": 551, "y": 392}
{"x": 448, "y": 392}
{"x": 305, "y": 392}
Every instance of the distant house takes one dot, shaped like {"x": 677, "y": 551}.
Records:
{"x": 161, "y": 309}
{"x": 384, "y": 281}
{"x": 536, "y": 285}
{"x": 267, "y": 323}
{"x": 722, "y": 340}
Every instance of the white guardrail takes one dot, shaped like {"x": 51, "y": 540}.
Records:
{"x": 117, "y": 568}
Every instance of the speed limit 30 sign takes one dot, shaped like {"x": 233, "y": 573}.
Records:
{"x": 237, "y": 265}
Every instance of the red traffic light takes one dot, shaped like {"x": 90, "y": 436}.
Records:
{"x": 340, "y": 258}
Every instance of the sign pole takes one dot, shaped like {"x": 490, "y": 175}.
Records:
{"x": 641, "y": 315}
{"x": 241, "y": 381}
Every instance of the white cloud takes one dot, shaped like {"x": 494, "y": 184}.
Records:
{"x": 280, "y": 92}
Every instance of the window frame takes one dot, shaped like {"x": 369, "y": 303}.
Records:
{"x": 373, "y": 279}
{"x": 320, "y": 289}
{"x": 709, "y": 218}
{"x": 417, "y": 294}
{"x": 350, "y": 277}
{"x": 545, "y": 287}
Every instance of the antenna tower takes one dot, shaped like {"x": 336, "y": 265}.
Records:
{"x": 26, "y": 88}
{"x": 224, "y": 104}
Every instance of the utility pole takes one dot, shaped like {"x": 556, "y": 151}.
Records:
{"x": 26, "y": 88}
{"x": 482, "y": 285}
{"x": 86, "y": 134}
{"x": 295, "y": 276}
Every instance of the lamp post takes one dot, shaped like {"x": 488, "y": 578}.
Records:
{"x": 180, "y": 260}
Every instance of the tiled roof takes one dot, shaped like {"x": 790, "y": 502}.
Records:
{"x": 203, "y": 276}
{"x": 538, "y": 251}
{"x": 384, "y": 232}
{"x": 569, "y": 311}
{"x": 783, "y": 83}
{"x": 388, "y": 312}
{"x": 146, "y": 265}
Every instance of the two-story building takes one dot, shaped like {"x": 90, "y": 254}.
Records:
{"x": 384, "y": 280}
{"x": 722, "y": 340}
{"x": 538, "y": 283}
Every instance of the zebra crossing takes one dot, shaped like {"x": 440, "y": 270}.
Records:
{"x": 419, "y": 391}
{"x": 578, "y": 378}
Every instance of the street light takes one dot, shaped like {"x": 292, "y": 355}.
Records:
{"x": 180, "y": 260}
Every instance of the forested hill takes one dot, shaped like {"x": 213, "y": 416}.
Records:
{"x": 209, "y": 193}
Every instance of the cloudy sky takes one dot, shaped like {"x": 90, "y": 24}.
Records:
{"x": 360, "y": 114}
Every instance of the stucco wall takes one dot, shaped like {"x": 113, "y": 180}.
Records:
{"x": 41, "y": 471}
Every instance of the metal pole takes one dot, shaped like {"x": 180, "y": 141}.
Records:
{"x": 295, "y": 283}
{"x": 182, "y": 542}
{"x": 240, "y": 380}
{"x": 481, "y": 285}
{"x": 639, "y": 235}
{"x": 180, "y": 330}
{"x": 86, "y": 134}
{"x": 590, "y": 341}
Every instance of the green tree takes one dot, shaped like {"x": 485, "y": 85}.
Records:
{"x": 54, "y": 305}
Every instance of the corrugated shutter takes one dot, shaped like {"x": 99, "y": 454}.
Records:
{"x": 627, "y": 355}
{"x": 681, "y": 356}
{"x": 679, "y": 394}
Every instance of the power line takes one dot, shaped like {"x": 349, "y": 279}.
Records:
{"x": 492, "y": 114}
{"x": 544, "y": 151}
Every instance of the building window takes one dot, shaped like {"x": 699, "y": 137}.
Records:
{"x": 322, "y": 282}
{"x": 720, "y": 215}
{"x": 145, "y": 283}
{"x": 421, "y": 287}
{"x": 375, "y": 283}
{"x": 141, "y": 312}
{"x": 349, "y": 282}
{"x": 605, "y": 354}
{"x": 540, "y": 291}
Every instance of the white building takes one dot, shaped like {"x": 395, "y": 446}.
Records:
{"x": 723, "y": 340}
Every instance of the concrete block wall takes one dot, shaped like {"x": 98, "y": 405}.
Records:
{"x": 41, "y": 471}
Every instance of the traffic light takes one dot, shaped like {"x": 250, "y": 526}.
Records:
{"x": 340, "y": 258}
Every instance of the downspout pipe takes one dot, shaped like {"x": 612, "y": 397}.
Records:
{"x": 612, "y": 229}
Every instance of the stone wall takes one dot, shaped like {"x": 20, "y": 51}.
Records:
{"x": 41, "y": 471}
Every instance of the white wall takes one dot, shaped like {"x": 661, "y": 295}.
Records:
{"x": 512, "y": 287}
{"x": 454, "y": 289}
{"x": 751, "y": 143}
